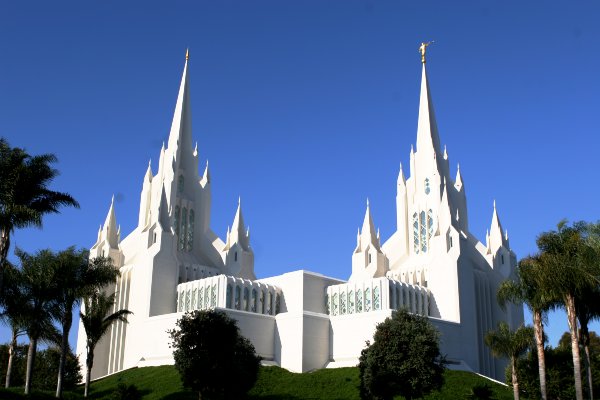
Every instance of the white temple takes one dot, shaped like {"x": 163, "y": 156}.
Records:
{"x": 432, "y": 265}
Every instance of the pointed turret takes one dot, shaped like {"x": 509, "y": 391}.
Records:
{"x": 146, "y": 198}
{"x": 458, "y": 182}
{"x": 497, "y": 237}
{"x": 205, "y": 177}
{"x": 109, "y": 229}
{"x": 401, "y": 178}
{"x": 368, "y": 234}
{"x": 238, "y": 231}
{"x": 368, "y": 261}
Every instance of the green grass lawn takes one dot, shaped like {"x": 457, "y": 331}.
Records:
{"x": 273, "y": 383}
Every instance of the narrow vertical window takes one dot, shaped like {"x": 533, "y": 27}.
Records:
{"x": 368, "y": 299}
{"x": 201, "y": 299}
{"x": 190, "y": 231}
{"x": 429, "y": 223}
{"x": 228, "y": 300}
{"x": 335, "y": 304}
{"x": 416, "y": 233}
{"x": 235, "y": 256}
{"x": 351, "y": 302}
{"x": 277, "y": 303}
{"x": 238, "y": 293}
{"x": 180, "y": 184}
{"x": 343, "y": 303}
{"x": 183, "y": 229}
{"x": 369, "y": 258}
{"x": 376, "y": 302}
{"x": 359, "y": 301}
{"x": 176, "y": 220}
{"x": 254, "y": 301}
{"x": 423, "y": 231}
{"x": 246, "y": 303}
{"x": 213, "y": 296}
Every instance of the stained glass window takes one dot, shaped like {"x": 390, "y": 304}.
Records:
{"x": 429, "y": 223}
{"x": 351, "y": 302}
{"x": 254, "y": 300}
{"x": 327, "y": 306}
{"x": 416, "y": 232}
{"x": 213, "y": 297}
{"x": 183, "y": 229}
{"x": 359, "y": 301}
{"x": 190, "y": 231}
{"x": 376, "y": 302}
{"x": 201, "y": 299}
{"x": 176, "y": 220}
{"x": 368, "y": 299}
{"x": 194, "y": 295}
{"x": 423, "y": 232}
{"x": 180, "y": 184}
{"x": 343, "y": 303}
{"x": 277, "y": 303}
{"x": 207, "y": 298}
{"x": 246, "y": 303}
{"x": 228, "y": 301}
{"x": 335, "y": 304}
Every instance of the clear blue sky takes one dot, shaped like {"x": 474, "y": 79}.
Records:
{"x": 305, "y": 109}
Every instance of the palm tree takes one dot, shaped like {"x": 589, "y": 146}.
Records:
{"x": 76, "y": 276}
{"x": 588, "y": 305}
{"x": 38, "y": 287}
{"x": 527, "y": 289}
{"x": 96, "y": 319}
{"x": 563, "y": 255}
{"x": 505, "y": 343}
{"x": 12, "y": 314}
{"x": 24, "y": 194}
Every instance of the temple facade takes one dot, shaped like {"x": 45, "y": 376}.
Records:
{"x": 432, "y": 265}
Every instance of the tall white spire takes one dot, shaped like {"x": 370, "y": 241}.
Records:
{"x": 180, "y": 136}
{"x": 497, "y": 237}
{"x": 427, "y": 134}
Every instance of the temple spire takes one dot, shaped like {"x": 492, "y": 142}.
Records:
{"x": 238, "y": 232}
{"x": 180, "y": 136}
{"x": 110, "y": 226}
{"x": 368, "y": 233}
{"x": 427, "y": 134}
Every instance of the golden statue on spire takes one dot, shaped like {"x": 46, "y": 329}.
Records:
{"x": 187, "y": 54}
{"x": 423, "y": 49}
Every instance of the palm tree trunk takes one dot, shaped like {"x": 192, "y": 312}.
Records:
{"x": 64, "y": 347}
{"x": 539, "y": 341}
{"x": 89, "y": 362}
{"x": 11, "y": 354}
{"x": 572, "y": 318}
{"x": 515, "y": 381}
{"x": 4, "y": 245}
{"x": 30, "y": 360}
{"x": 585, "y": 341}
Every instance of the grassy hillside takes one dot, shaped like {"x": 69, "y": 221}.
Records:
{"x": 273, "y": 383}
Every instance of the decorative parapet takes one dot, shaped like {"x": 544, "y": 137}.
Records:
{"x": 228, "y": 292}
{"x": 375, "y": 295}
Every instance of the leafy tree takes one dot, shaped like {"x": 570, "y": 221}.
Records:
{"x": 506, "y": 343}
{"x": 76, "y": 276}
{"x": 404, "y": 359}
{"x": 37, "y": 283}
{"x": 564, "y": 256}
{"x": 528, "y": 288}
{"x": 212, "y": 357}
{"x": 24, "y": 194}
{"x": 46, "y": 367}
{"x": 96, "y": 318}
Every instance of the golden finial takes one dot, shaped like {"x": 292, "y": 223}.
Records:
{"x": 187, "y": 54}
{"x": 423, "y": 49}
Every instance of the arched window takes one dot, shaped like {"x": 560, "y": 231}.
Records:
{"x": 207, "y": 298}
{"x": 376, "y": 302}
{"x": 429, "y": 224}
{"x": 194, "y": 295}
{"x": 180, "y": 184}
{"x": 416, "y": 233}
{"x": 343, "y": 303}
{"x": 187, "y": 300}
{"x": 368, "y": 299}
{"x": 269, "y": 302}
{"x": 213, "y": 296}
{"x": 359, "y": 301}
{"x": 183, "y": 229}
{"x": 423, "y": 231}
{"x": 228, "y": 300}
{"x": 277, "y": 303}
{"x": 238, "y": 293}
{"x": 335, "y": 304}
{"x": 254, "y": 301}
{"x": 201, "y": 299}
{"x": 190, "y": 231}
{"x": 263, "y": 299}
{"x": 351, "y": 302}
{"x": 327, "y": 305}
{"x": 246, "y": 303}
{"x": 176, "y": 220}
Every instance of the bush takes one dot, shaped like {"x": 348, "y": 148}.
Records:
{"x": 404, "y": 359}
{"x": 212, "y": 357}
